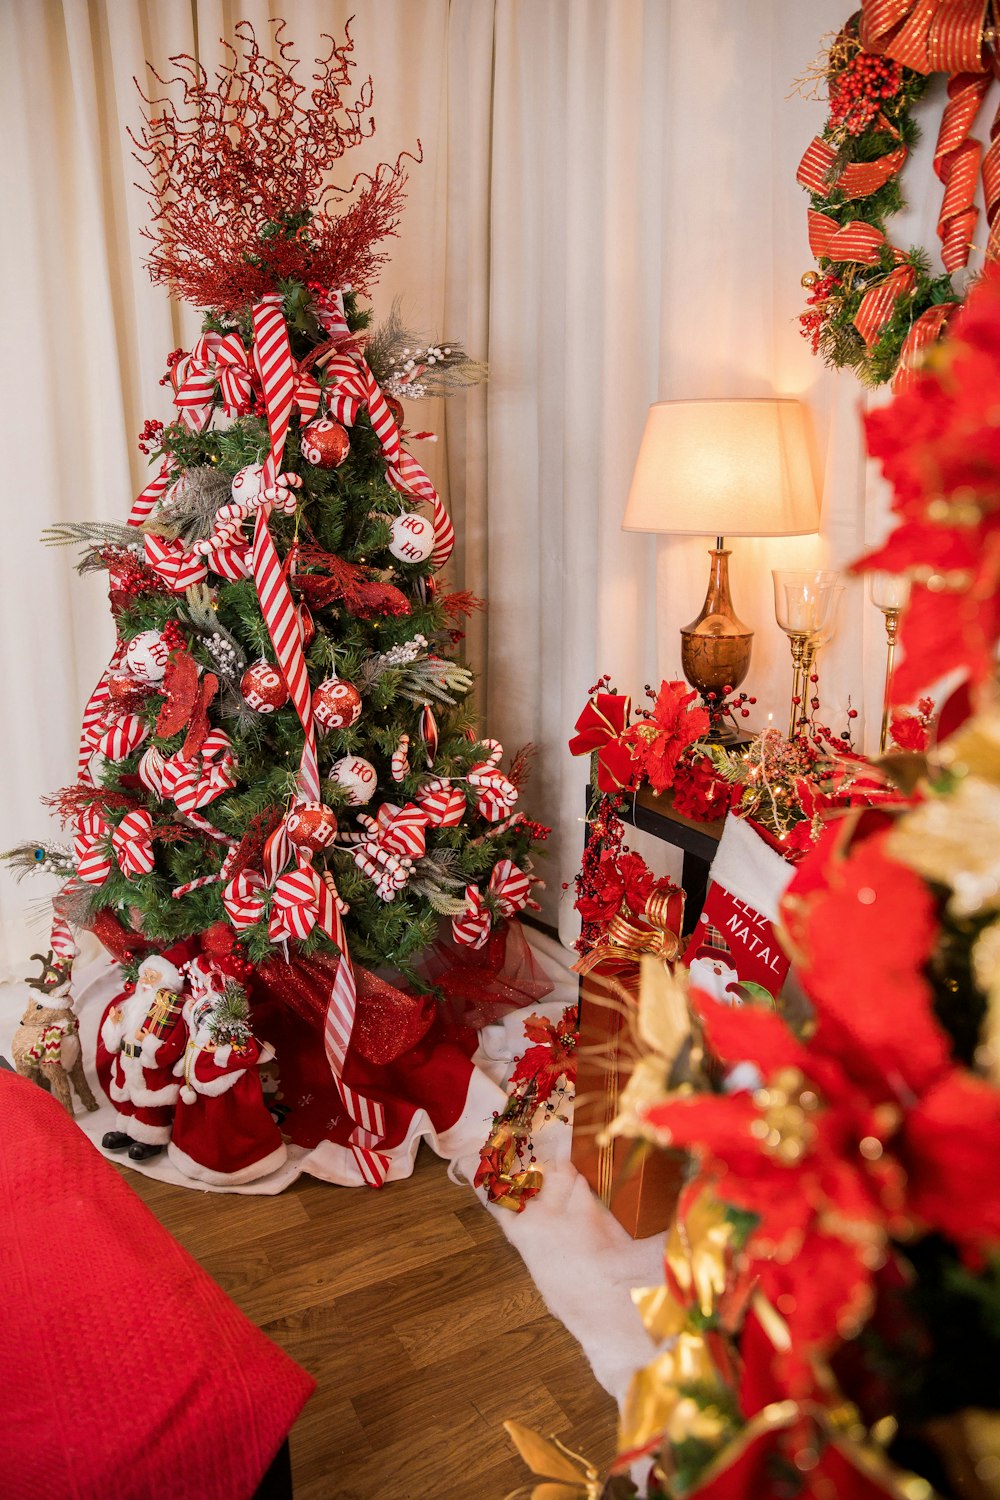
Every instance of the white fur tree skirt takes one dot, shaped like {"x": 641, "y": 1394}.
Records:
{"x": 581, "y": 1260}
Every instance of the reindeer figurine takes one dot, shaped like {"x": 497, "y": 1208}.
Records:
{"x": 46, "y": 1045}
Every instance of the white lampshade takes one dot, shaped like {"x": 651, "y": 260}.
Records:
{"x": 724, "y": 468}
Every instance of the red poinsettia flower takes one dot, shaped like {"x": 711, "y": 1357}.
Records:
{"x": 659, "y": 741}
{"x": 602, "y": 727}
{"x": 908, "y": 732}
{"x": 699, "y": 791}
{"x": 799, "y": 1152}
{"x": 553, "y": 1054}
{"x": 864, "y": 927}
{"x": 939, "y": 445}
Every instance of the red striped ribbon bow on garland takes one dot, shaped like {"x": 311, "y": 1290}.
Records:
{"x": 874, "y": 307}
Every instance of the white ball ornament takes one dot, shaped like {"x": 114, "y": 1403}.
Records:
{"x": 411, "y": 538}
{"x": 358, "y": 777}
{"x": 248, "y": 483}
{"x": 146, "y": 656}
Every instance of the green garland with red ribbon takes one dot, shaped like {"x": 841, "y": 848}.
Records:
{"x": 873, "y": 307}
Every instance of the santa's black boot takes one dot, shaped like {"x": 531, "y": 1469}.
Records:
{"x": 140, "y": 1151}
{"x": 116, "y": 1140}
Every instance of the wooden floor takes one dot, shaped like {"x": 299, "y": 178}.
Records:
{"x": 418, "y": 1321}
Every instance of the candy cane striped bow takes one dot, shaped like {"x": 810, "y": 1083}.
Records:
{"x": 215, "y": 359}
{"x": 495, "y": 794}
{"x": 130, "y": 841}
{"x": 509, "y": 885}
{"x": 396, "y": 838}
{"x": 191, "y": 783}
{"x": 123, "y": 737}
{"x": 133, "y": 843}
{"x": 444, "y": 804}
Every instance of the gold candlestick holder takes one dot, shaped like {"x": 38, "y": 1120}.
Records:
{"x": 890, "y": 592}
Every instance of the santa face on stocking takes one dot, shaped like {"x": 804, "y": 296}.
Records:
{"x": 711, "y": 973}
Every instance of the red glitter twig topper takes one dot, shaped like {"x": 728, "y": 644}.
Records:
{"x": 238, "y": 174}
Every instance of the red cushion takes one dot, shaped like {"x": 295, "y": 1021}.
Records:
{"x": 124, "y": 1370}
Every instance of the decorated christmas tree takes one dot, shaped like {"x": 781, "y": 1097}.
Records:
{"x": 281, "y": 764}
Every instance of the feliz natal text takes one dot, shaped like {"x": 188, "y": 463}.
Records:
{"x": 758, "y": 945}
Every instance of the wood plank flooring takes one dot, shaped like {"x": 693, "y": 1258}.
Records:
{"x": 418, "y": 1321}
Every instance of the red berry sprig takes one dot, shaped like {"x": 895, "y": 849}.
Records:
{"x": 150, "y": 436}
{"x": 173, "y": 636}
{"x": 858, "y": 92}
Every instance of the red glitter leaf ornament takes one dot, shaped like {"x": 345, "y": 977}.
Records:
{"x": 238, "y": 171}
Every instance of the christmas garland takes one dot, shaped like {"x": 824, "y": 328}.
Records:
{"x": 873, "y": 307}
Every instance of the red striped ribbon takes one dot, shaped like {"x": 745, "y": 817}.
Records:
{"x": 352, "y": 387}
{"x": 878, "y": 303}
{"x": 930, "y": 36}
{"x": 956, "y": 162}
{"x": 93, "y": 722}
{"x": 857, "y": 180}
{"x": 924, "y": 332}
{"x": 273, "y": 357}
{"x": 856, "y": 241}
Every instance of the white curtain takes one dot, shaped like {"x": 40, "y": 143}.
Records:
{"x": 606, "y": 210}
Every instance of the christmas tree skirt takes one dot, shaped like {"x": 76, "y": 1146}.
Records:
{"x": 447, "y": 1100}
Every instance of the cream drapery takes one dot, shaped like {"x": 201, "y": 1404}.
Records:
{"x": 606, "y": 210}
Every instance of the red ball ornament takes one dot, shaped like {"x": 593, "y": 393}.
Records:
{"x": 264, "y": 688}
{"x": 396, "y": 407}
{"x": 336, "y": 704}
{"x": 325, "y": 444}
{"x": 311, "y": 825}
{"x": 308, "y": 626}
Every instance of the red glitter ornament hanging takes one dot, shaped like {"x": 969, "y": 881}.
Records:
{"x": 239, "y": 171}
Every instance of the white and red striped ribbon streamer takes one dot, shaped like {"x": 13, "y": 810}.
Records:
{"x": 353, "y": 386}
{"x": 273, "y": 356}
{"x": 61, "y": 939}
{"x": 242, "y": 901}
{"x": 94, "y": 713}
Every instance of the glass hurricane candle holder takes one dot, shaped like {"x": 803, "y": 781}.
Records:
{"x": 804, "y": 607}
{"x": 889, "y": 592}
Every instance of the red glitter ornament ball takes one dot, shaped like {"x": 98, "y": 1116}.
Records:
{"x": 264, "y": 688}
{"x": 336, "y": 704}
{"x": 312, "y": 825}
{"x": 308, "y": 626}
{"x": 325, "y": 444}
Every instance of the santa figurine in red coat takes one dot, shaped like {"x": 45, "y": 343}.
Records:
{"x": 142, "y": 1036}
{"x": 223, "y": 1132}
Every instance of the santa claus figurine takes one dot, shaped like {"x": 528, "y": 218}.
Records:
{"x": 223, "y": 1133}
{"x": 143, "y": 1036}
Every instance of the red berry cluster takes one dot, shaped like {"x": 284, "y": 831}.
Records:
{"x": 129, "y": 577}
{"x": 536, "y": 831}
{"x": 173, "y": 358}
{"x": 173, "y": 636}
{"x": 811, "y": 323}
{"x": 320, "y": 295}
{"x": 150, "y": 436}
{"x": 859, "y": 91}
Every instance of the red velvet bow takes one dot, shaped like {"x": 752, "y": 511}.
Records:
{"x": 600, "y": 727}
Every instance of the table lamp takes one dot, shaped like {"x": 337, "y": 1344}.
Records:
{"x": 734, "y": 467}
